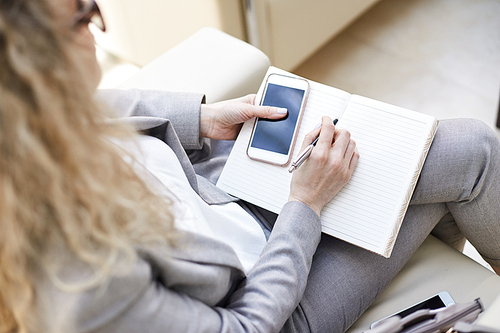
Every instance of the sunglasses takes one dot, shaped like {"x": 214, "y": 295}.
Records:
{"x": 88, "y": 12}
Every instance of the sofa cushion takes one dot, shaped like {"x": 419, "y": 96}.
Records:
{"x": 209, "y": 62}
{"x": 433, "y": 268}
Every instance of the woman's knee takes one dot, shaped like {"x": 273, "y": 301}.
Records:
{"x": 476, "y": 152}
{"x": 484, "y": 147}
{"x": 484, "y": 138}
{"x": 469, "y": 139}
{"x": 464, "y": 153}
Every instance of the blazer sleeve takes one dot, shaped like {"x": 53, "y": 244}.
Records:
{"x": 147, "y": 109}
{"x": 261, "y": 303}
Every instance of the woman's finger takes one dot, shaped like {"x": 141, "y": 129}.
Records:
{"x": 351, "y": 147}
{"x": 354, "y": 160}
{"x": 327, "y": 133}
{"x": 259, "y": 111}
{"x": 267, "y": 112}
{"x": 341, "y": 142}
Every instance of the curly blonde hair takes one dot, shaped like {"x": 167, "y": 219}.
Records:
{"x": 62, "y": 183}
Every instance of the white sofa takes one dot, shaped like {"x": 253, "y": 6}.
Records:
{"x": 224, "y": 67}
{"x": 288, "y": 31}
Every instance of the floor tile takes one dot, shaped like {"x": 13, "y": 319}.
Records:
{"x": 439, "y": 57}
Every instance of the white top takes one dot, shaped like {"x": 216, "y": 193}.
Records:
{"x": 228, "y": 223}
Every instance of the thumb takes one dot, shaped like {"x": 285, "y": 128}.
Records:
{"x": 269, "y": 112}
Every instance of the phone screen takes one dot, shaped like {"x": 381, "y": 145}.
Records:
{"x": 431, "y": 303}
{"x": 277, "y": 135}
{"x": 437, "y": 301}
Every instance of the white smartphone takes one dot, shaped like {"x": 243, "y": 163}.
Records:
{"x": 272, "y": 141}
{"x": 437, "y": 301}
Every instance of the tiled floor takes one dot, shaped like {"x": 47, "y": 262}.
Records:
{"x": 440, "y": 57}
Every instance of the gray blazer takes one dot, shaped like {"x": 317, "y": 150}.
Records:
{"x": 199, "y": 286}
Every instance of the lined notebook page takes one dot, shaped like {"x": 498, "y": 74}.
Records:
{"x": 368, "y": 211}
{"x": 392, "y": 143}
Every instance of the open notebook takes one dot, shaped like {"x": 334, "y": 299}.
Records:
{"x": 393, "y": 143}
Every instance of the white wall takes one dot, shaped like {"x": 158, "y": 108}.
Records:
{"x": 141, "y": 30}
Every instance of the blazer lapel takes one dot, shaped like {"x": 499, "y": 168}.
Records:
{"x": 162, "y": 129}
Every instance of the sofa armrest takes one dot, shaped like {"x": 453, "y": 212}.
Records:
{"x": 209, "y": 62}
{"x": 491, "y": 315}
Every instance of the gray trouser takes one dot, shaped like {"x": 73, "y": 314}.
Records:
{"x": 457, "y": 197}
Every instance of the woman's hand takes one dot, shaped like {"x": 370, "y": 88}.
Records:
{"x": 327, "y": 170}
{"x": 223, "y": 120}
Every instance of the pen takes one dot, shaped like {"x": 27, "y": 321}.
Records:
{"x": 305, "y": 154}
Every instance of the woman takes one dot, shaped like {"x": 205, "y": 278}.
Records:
{"x": 105, "y": 230}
